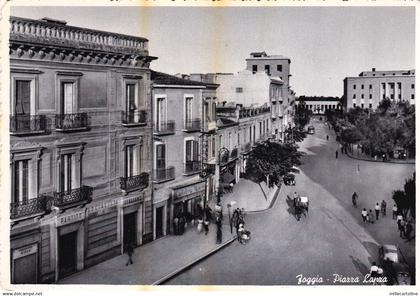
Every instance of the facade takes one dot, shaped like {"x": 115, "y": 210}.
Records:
{"x": 370, "y": 87}
{"x": 80, "y": 147}
{"x": 177, "y": 136}
{"x": 318, "y": 105}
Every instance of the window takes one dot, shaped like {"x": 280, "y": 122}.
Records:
{"x": 239, "y": 138}
{"x": 239, "y": 89}
{"x": 160, "y": 113}
{"x": 362, "y": 105}
{"x": 213, "y": 147}
{"x": 363, "y": 86}
{"x": 280, "y": 68}
{"x": 354, "y": 86}
{"x": 23, "y": 92}
{"x": 21, "y": 180}
{"x": 354, "y": 105}
{"x": 412, "y": 96}
{"x": 354, "y": 96}
{"x": 267, "y": 69}
{"x": 370, "y": 96}
{"x": 392, "y": 96}
{"x": 130, "y": 97}
{"x": 254, "y": 68}
{"x": 160, "y": 156}
{"x": 412, "y": 86}
{"x": 188, "y": 109}
{"x": 370, "y": 86}
{"x": 23, "y": 97}
{"x": 66, "y": 172}
{"x": 132, "y": 160}
{"x": 370, "y": 106}
{"x": 399, "y": 96}
{"x": 68, "y": 97}
{"x": 191, "y": 151}
{"x": 363, "y": 96}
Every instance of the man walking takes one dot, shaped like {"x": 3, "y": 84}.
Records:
{"x": 364, "y": 215}
{"x": 371, "y": 216}
{"x": 394, "y": 212}
{"x": 377, "y": 209}
{"x": 383, "y": 208}
{"x": 130, "y": 250}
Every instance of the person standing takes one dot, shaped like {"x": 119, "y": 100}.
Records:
{"x": 371, "y": 216}
{"x": 399, "y": 219}
{"x": 394, "y": 212}
{"x": 336, "y": 153}
{"x": 206, "y": 226}
{"x": 328, "y": 137}
{"x": 364, "y": 215}
{"x": 129, "y": 250}
{"x": 402, "y": 228}
{"x": 383, "y": 208}
{"x": 377, "y": 209}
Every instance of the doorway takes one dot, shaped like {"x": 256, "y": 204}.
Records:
{"x": 130, "y": 229}
{"x": 67, "y": 257}
{"x": 159, "y": 222}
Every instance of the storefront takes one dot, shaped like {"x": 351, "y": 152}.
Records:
{"x": 25, "y": 262}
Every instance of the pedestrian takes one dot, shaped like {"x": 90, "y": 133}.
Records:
{"x": 176, "y": 230}
{"x": 336, "y": 153}
{"x": 371, "y": 216}
{"x": 377, "y": 210}
{"x": 402, "y": 228}
{"x": 383, "y": 208}
{"x": 219, "y": 230}
{"x": 374, "y": 270}
{"x": 129, "y": 250}
{"x": 399, "y": 219}
{"x": 206, "y": 227}
{"x": 354, "y": 199}
{"x": 328, "y": 137}
{"x": 207, "y": 213}
{"x": 408, "y": 229}
{"x": 394, "y": 212}
{"x": 364, "y": 215}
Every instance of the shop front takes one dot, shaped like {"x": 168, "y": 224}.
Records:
{"x": 186, "y": 205}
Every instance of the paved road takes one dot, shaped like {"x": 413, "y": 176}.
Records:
{"x": 332, "y": 240}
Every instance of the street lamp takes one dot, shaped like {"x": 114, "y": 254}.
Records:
{"x": 229, "y": 205}
{"x": 225, "y": 151}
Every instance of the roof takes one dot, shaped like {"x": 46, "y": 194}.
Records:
{"x": 166, "y": 79}
{"x": 318, "y": 99}
{"x": 225, "y": 122}
{"x": 269, "y": 57}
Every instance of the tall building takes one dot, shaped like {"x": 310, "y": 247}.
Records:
{"x": 370, "y": 87}
{"x": 183, "y": 109}
{"x": 81, "y": 147}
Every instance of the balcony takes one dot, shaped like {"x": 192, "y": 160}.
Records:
{"x": 73, "y": 197}
{"x": 192, "y": 167}
{"x": 71, "y": 122}
{"x": 134, "y": 118}
{"x": 23, "y": 125}
{"x": 138, "y": 182}
{"x": 28, "y": 209}
{"x": 165, "y": 174}
{"x": 165, "y": 128}
{"x": 192, "y": 125}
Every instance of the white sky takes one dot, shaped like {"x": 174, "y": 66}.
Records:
{"x": 325, "y": 44}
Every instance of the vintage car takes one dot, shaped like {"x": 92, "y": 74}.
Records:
{"x": 311, "y": 129}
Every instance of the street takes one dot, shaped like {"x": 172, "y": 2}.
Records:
{"x": 331, "y": 243}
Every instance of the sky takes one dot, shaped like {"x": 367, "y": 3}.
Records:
{"x": 325, "y": 44}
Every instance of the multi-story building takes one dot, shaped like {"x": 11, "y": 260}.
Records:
{"x": 183, "y": 109}
{"x": 318, "y": 105}
{"x": 370, "y": 87}
{"x": 80, "y": 147}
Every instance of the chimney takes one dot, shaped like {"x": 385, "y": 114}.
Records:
{"x": 373, "y": 69}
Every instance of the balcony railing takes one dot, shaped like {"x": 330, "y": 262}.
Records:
{"x": 192, "y": 167}
{"x": 165, "y": 128}
{"x": 28, "y": 124}
{"x": 29, "y": 208}
{"x": 70, "y": 122}
{"x": 131, "y": 118}
{"x": 73, "y": 197}
{"x": 193, "y": 125}
{"x": 132, "y": 183}
{"x": 165, "y": 174}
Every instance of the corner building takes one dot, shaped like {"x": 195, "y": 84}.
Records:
{"x": 80, "y": 147}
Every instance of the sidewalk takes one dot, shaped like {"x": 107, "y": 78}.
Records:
{"x": 367, "y": 158}
{"x": 165, "y": 257}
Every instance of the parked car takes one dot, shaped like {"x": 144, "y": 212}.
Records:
{"x": 389, "y": 252}
{"x": 311, "y": 129}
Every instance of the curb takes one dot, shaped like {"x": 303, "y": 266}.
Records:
{"x": 372, "y": 160}
{"x": 273, "y": 201}
{"x": 192, "y": 263}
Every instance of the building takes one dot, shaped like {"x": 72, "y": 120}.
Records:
{"x": 318, "y": 105}
{"x": 80, "y": 147}
{"x": 183, "y": 110}
{"x": 370, "y": 87}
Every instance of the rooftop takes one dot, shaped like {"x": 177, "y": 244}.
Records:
{"x": 264, "y": 56}
{"x": 166, "y": 79}
{"x": 317, "y": 99}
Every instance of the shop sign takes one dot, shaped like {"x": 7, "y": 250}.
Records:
{"x": 102, "y": 208}
{"x": 133, "y": 200}
{"x": 25, "y": 251}
{"x": 70, "y": 218}
{"x": 197, "y": 188}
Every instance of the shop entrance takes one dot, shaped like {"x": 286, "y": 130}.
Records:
{"x": 159, "y": 222}
{"x": 24, "y": 271}
{"x": 130, "y": 229}
{"x": 67, "y": 257}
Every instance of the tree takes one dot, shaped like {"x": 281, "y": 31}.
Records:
{"x": 295, "y": 134}
{"x": 272, "y": 160}
{"x": 302, "y": 115}
{"x": 410, "y": 194}
{"x": 401, "y": 201}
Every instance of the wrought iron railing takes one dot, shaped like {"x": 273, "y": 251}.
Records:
{"x": 167, "y": 127}
{"x": 165, "y": 174}
{"x": 27, "y": 124}
{"x": 193, "y": 124}
{"x": 71, "y": 121}
{"x": 72, "y": 197}
{"x": 193, "y": 166}
{"x": 134, "y": 117}
{"x": 31, "y": 207}
{"x": 134, "y": 182}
